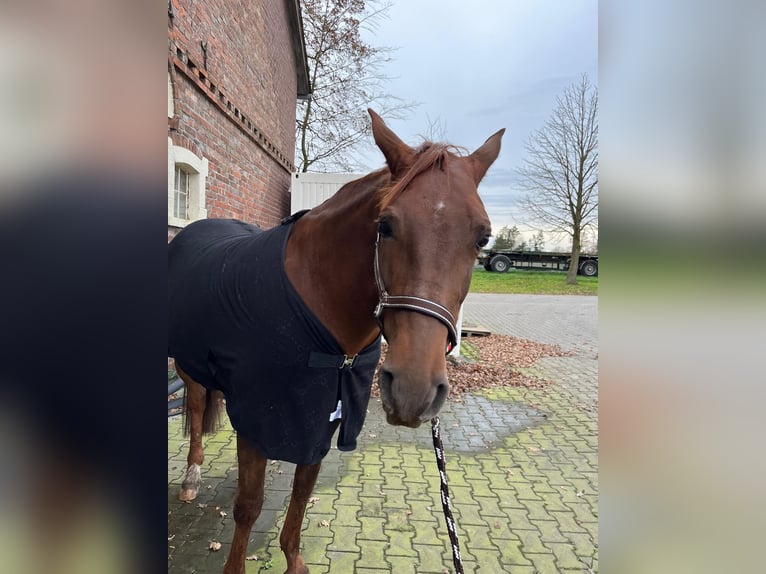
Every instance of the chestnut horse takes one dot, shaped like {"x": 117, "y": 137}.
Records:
{"x": 391, "y": 252}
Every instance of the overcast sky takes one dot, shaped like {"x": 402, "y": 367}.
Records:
{"x": 479, "y": 66}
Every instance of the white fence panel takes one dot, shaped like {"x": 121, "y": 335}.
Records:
{"x": 310, "y": 189}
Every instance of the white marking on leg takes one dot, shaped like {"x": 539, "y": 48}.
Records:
{"x": 193, "y": 475}
{"x": 191, "y": 483}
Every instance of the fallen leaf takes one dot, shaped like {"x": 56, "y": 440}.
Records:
{"x": 214, "y": 546}
{"x": 201, "y": 505}
{"x": 251, "y": 557}
{"x": 223, "y": 514}
{"x": 314, "y": 499}
{"x": 171, "y": 537}
{"x": 324, "y": 523}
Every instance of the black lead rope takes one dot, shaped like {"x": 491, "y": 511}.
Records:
{"x": 439, "y": 450}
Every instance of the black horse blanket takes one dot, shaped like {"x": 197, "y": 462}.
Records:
{"x": 237, "y": 324}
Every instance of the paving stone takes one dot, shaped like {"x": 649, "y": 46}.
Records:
{"x": 432, "y": 558}
{"x": 344, "y": 539}
{"x": 488, "y": 561}
{"x": 565, "y": 557}
{"x": 371, "y": 529}
{"x": 582, "y": 544}
{"x": 478, "y": 538}
{"x": 372, "y": 555}
{"x": 400, "y": 543}
{"x": 544, "y": 563}
{"x": 405, "y": 565}
{"x": 341, "y": 561}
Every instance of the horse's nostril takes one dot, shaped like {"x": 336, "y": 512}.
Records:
{"x": 442, "y": 389}
{"x": 385, "y": 379}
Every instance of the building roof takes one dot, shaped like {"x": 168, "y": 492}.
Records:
{"x": 299, "y": 48}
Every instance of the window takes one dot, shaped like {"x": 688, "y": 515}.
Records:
{"x": 181, "y": 193}
{"x": 186, "y": 186}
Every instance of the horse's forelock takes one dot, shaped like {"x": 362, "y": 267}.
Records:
{"x": 427, "y": 155}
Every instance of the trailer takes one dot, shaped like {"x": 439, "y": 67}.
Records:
{"x": 502, "y": 261}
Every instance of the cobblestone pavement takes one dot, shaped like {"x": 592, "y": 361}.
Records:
{"x": 522, "y": 467}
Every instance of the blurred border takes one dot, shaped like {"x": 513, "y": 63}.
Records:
{"x": 83, "y": 168}
{"x": 682, "y": 310}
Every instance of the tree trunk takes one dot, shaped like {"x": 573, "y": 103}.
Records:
{"x": 304, "y": 166}
{"x": 575, "y": 264}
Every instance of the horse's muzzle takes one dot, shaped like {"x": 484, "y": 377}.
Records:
{"x": 409, "y": 404}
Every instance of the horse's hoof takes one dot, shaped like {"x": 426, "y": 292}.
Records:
{"x": 190, "y": 485}
{"x": 187, "y": 494}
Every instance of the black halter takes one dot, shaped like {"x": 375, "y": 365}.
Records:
{"x": 411, "y": 303}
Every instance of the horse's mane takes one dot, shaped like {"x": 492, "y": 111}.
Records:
{"x": 428, "y": 155}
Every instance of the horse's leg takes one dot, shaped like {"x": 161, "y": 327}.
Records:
{"x": 290, "y": 539}
{"x": 196, "y": 398}
{"x": 247, "y": 507}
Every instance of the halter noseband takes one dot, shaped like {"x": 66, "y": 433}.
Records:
{"x": 411, "y": 303}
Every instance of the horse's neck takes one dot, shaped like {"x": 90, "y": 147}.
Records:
{"x": 329, "y": 260}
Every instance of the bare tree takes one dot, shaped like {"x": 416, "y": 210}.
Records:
{"x": 505, "y": 239}
{"x": 346, "y": 78}
{"x": 437, "y": 129}
{"x": 538, "y": 241}
{"x": 560, "y": 173}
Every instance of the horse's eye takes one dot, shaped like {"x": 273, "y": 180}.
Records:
{"x": 384, "y": 228}
{"x": 482, "y": 242}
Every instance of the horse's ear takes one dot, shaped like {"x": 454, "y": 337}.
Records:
{"x": 483, "y": 157}
{"x": 398, "y": 154}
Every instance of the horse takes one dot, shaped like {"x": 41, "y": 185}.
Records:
{"x": 389, "y": 255}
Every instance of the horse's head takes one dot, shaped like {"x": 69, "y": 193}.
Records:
{"x": 431, "y": 226}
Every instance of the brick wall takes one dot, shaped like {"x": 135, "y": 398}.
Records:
{"x": 235, "y": 103}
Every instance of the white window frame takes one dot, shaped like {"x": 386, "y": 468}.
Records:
{"x": 197, "y": 168}
{"x": 171, "y": 103}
